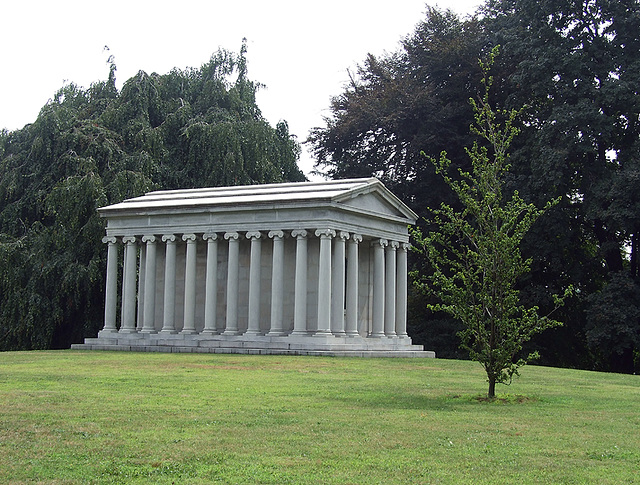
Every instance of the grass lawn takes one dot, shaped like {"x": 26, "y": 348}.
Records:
{"x": 71, "y": 417}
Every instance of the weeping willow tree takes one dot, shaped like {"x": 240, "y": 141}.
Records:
{"x": 91, "y": 147}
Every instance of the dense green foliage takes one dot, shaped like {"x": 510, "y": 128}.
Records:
{"x": 574, "y": 66}
{"x": 96, "y": 146}
{"x": 475, "y": 252}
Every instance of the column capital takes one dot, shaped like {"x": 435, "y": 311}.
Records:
{"x": 380, "y": 242}
{"x": 253, "y": 235}
{"x": 299, "y": 233}
{"x": 109, "y": 239}
{"x": 129, "y": 239}
{"x": 150, "y": 239}
{"x": 325, "y": 233}
{"x": 188, "y": 237}
{"x": 405, "y": 246}
{"x": 344, "y": 235}
{"x": 356, "y": 238}
{"x": 210, "y": 236}
{"x": 394, "y": 244}
{"x": 231, "y": 235}
{"x": 168, "y": 238}
{"x": 274, "y": 234}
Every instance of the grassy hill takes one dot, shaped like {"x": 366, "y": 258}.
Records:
{"x": 71, "y": 417}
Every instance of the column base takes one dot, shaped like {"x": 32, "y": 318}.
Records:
{"x": 300, "y": 332}
{"x": 377, "y": 335}
{"x": 188, "y": 332}
{"x": 276, "y": 333}
{"x": 128, "y": 330}
{"x": 210, "y": 332}
{"x": 168, "y": 332}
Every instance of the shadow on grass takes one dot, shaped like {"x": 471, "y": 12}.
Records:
{"x": 432, "y": 402}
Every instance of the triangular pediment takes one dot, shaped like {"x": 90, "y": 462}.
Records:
{"x": 374, "y": 202}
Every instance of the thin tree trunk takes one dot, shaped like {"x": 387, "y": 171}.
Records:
{"x": 634, "y": 254}
{"x": 492, "y": 387}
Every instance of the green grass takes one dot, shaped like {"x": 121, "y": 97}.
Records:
{"x": 106, "y": 417}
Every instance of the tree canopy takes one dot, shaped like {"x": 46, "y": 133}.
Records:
{"x": 573, "y": 65}
{"x": 97, "y": 146}
{"x": 475, "y": 252}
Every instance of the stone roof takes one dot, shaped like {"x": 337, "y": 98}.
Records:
{"x": 288, "y": 193}
{"x": 350, "y": 204}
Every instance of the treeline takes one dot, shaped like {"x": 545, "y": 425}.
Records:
{"x": 574, "y": 68}
{"x": 97, "y": 146}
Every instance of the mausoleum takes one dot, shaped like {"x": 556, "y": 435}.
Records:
{"x": 314, "y": 268}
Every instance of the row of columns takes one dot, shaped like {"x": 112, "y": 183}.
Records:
{"x": 334, "y": 287}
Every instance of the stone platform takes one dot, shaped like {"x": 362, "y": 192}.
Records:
{"x": 331, "y": 346}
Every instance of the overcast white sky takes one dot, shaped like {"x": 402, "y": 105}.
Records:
{"x": 300, "y": 50}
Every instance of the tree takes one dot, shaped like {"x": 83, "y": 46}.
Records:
{"x": 97, "y": 146}
{"x": 399, "y": 105}
{"x": 574, "y": 66}
{"x": 475, "y": 252}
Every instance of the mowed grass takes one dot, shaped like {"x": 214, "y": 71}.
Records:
{"x": 71, "y": 417}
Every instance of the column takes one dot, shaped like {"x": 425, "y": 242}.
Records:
{"x": 232, "y": 284}
{"x": 378, "y": 287}
{"x": 352, "y": 285}
{"x": 111, "y": 285}
{"x": 168, "y": 323}
{"x": 300, "y": 290}
{"x": 390, "y": 290}
{"x": 189, "y": 325}
{"x": 141, "y": 286}
{"x": 402, "y": 289}
{"x": 211, "y": 285}
{"x": 338, "y": 285}
{"x": 324, "y": 281}
{"x": 149, "y": 304}
{"x": 277, "y": 283}
{"x": 129, "y": 286}
{"x": 253, "y": 322}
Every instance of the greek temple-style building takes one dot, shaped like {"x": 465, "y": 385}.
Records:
{"x": 314, "y": 268}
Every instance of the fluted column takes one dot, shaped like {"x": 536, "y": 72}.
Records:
{"x": 232, "y": 283}
{"x": 300, "y": 291}
{"x": 402, "y": 289}
{"x": 111, "y": 285}
{"x": 390, "y": 290}
{"x": 351, "y": 324}
{"x": 189, "y": 325}
{"x": 129, "y": 286}
{"x": 142, "y": 281}
{"x": 338, "y": 284}
{"x": 378, "y": 287}
{"x": 168, "y": 322}
{"x": 149, "y": 312}
{"x": 211, "y": 285}
{"x": 253, "y": 322}
{"x": 277, "y": 282}
{"x": 324, "y": 281}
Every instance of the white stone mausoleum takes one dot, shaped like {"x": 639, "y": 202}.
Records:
{"x": 314, "y": 268}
